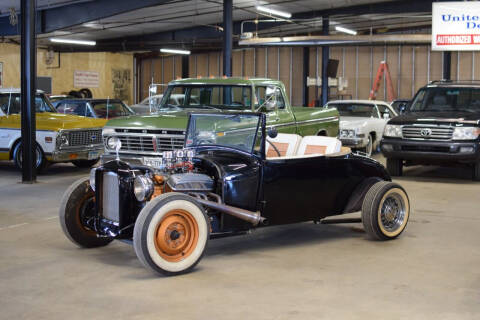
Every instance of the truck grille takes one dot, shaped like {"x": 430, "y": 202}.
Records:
{"x": 84, "y": 137}
{"x": 151, "y": 143}
{"x": 111, "y": 197}
{"x": 426, "y": 148}
{"x": 427, "y": 132}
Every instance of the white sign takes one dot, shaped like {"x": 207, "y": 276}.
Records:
{"x": 456, "y": 26}
{"x": 86, "y": 79}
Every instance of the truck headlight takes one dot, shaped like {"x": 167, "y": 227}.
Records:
{"x": 92, "y": 178}
{"x": 62, "y": 140}
{"x": 113, "y": 143}
{"x": 465, "y": 133}
{"x": 392, "y": 130}
{"x": 142, "y": 187}
{"x": 347, "y": 133}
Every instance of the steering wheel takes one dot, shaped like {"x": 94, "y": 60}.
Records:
{"x": 205, "y": 141}
{"x": 274, "y": 147}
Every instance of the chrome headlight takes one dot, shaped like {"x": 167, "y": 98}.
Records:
{"x": 465, "y": 133}
{"x": 62, "y": 140}
{"x": 347, "y": 133}
{"x": 142, "y": 187}
{"x": 92, "y": 178}
{"x": 392, "y": 130}
{"x": 113, "y": 143}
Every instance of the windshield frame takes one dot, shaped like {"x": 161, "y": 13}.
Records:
{"x": 427, "y": 90}
{"x": 37, "y": 95}
{"x": 374, "y": 113}
{"x": 94, "y": 102}
{"x": 261, "y": 124}
{"x": 168, "y": 92}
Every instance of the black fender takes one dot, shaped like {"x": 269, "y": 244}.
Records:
{"x": 356, "y": 199}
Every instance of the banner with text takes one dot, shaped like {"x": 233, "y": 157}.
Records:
{"x": 86, "y": 79}
{"x": 456, "y": 26}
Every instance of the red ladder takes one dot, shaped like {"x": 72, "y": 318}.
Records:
{"x": 382, "y": 69}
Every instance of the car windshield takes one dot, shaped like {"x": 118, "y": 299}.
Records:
{"x": 11, "y": 104}
{"x": 447, "y": 99}
{"x": 110, "y": 109}
{"x": 237, "y": 131}
{"x": 354, "y": 109}
{"x": 217, "y": 97}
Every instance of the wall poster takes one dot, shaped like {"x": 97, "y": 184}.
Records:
{"x": 121, "y": 84}
{"x": 86, "y": 79}
{"x": 456, "y": 26}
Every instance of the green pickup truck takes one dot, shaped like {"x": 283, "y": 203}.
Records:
{"x": 147, "y": 136}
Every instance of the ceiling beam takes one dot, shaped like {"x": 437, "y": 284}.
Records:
{"x": 66, "y": 16}
{"x": 194, "y": 34}
{"x": 389, "y": 7}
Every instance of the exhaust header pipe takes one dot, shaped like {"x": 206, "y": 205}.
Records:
{"x": 250, "y": 216}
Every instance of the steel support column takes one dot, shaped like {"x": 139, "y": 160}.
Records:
{"x": 306, "y": 69}
{"x": 28, "y": 72}
{"x": 447, "y": 65}
{"x": 325, "y": 57}
{"x": 227, "y": 37}
{"x": 185, "y": 66}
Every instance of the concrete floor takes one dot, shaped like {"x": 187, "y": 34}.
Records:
{"x": 302, "y": 271}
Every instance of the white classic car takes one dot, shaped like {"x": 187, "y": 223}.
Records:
{"x": 362, "y": 122}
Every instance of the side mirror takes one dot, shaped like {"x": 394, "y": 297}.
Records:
{"x": 270, "y": 106}
{"x": 402, "y": 108}
{"x": 272, "y": 132}
{"x": 386, "y": 115}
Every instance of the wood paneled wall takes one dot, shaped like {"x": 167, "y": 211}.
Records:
{"x": 411, "y": 67}
{"x": 62, "y": 76}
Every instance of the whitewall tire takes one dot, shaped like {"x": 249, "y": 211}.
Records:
{"x": 171, "y": 234}
{"x": 385, "y": 210}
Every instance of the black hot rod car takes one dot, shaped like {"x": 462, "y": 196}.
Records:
{"x": 231, "y": 177}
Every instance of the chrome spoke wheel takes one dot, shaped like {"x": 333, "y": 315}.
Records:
{"x": 385, "y": 210}
{"x": 392, "y": 212}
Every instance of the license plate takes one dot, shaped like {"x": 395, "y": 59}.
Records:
{"x": 93, "y": 155}
{"x": 153, "y": 162}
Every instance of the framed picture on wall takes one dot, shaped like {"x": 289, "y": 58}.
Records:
{"x": 1, "y": 74}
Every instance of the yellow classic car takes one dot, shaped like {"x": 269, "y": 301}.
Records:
{"x": 60, "y": 137}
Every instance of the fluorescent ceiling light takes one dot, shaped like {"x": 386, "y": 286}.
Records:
{"x": 345, "y": 30}
{"x": 274, "y": 12}
{"x": 71, "y": 41}
{"x": 92, "y": 25}
{"x": 177, "y": 51}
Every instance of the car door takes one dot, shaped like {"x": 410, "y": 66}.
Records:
{"x": 280, "y": 116}
{"x": 308, "y": 188}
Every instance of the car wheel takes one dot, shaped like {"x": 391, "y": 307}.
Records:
{"x": 395, "y": 167}
{"x": 476, "y": 171}
{"x": 369, "y": 147}
{"x": 40, "y": 161}
{"x": 84, "y": 163}
{"x": 385, "y": 210}
{"x": 171, "y": 234}
{"x": 77, "y": 206}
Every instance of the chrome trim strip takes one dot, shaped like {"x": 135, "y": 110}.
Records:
{"x": 303, "y": 122}
{"x": 143, "y": 135}
{"x": 145, "y": 128}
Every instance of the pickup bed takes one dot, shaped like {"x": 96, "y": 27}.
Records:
{"x": 148, "y": 136}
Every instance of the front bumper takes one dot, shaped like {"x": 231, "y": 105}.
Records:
{"x": 354, "y": 142}
{"x": 130, "y": 159}
{"x": 77, "y": 153}
{"x": 431, "y": 151}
